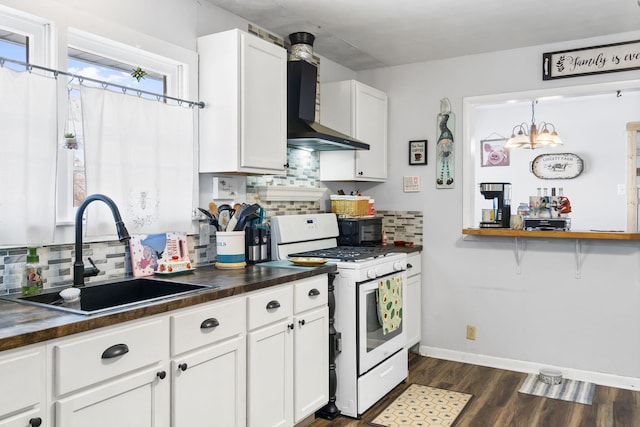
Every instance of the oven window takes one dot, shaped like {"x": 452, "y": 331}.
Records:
{"x": 375, "y": 335}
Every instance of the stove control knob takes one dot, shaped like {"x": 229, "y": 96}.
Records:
{"x": 397, "y": 266}
{"x": 372, "y": 273}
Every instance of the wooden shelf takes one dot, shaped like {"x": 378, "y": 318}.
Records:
{"x": 602, "y": 235}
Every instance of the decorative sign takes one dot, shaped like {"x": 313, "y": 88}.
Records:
{"x": 592, "y": 60}
{"x": 418, "y": 152}
{"x": 411, "y": 184}
{"x": 557, "y": 166}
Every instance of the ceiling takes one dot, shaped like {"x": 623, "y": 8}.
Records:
{"x": 365, "y": 34}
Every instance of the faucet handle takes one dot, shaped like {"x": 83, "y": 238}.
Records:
{"x": 92, "y": 271}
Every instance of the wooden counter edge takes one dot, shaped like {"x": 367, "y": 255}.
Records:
{"x": 601, "y": 235}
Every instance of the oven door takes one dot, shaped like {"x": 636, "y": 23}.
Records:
{"x": 375, "y": 342}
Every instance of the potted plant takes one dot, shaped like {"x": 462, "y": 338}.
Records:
{"x": 70, "y": 141}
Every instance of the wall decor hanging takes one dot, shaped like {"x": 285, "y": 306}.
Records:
{"x": 606, "y": 58}
{"x": 445, "y": 149}
{"x": 557, "y": 166}
{"x": 494, "y": 152}
{"x": 418, "y": 152}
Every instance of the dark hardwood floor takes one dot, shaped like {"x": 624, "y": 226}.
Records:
{"x": 496, "y": 401}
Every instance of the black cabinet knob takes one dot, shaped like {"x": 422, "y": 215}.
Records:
{"x": 35, "y": 422}
{"x": 291, "y": 326}
{"x": 301, "y": 322}
{"x": 409, "y": 265}
{"x": 360, "y": 173}
{"x": 162, "y": 375}
{"x": 314, "y": 292}
{"x": 183, "y": 367}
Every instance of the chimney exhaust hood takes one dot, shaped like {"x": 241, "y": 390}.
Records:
{"x": 302, "y": 130}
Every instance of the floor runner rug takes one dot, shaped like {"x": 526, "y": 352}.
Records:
{"x": 569, "y": 390}
{"x": 423, "y": 406}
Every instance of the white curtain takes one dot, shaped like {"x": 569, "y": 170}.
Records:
{"x": 28, "y": 147}
{"x": 139, "y": 152}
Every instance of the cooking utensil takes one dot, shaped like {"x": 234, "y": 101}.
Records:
{"x": 247, "y": 214}
{"x": 225, "y": 213}
{"x": 213, "y": 208}
{"x": 210, "y": 217}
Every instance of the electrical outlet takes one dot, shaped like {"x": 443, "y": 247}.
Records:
{"x": 471, "y": 332}
{"x": 622, "y": 189}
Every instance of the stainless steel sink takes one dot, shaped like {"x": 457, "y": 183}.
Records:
{"x": 102, "y": 297}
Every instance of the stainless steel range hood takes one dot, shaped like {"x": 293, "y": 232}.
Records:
{"x": 302, "y": 130}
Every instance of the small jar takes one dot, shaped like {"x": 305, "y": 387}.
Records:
{"x": 523, "y": 210}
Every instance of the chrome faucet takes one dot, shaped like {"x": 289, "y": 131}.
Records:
{"x": 79, "y": 272}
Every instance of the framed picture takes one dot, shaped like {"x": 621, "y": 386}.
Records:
{"x": 418, "y": 152}
{"x": 494, "y": 152}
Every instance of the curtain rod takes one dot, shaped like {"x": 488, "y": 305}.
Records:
{"x": 103, "y": 83}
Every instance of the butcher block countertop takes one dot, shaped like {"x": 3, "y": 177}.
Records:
{"x": 578, "y": 234}
{"x": 22, "y": 324}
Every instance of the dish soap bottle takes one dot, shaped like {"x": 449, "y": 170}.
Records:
{"x": 32, "y": 273}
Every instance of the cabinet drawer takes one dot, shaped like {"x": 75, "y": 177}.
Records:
{"x": 98, "y": 356}
{"x": 198, "y": 327}
{"x": 415, "y": 261}
{"x": 22, "y": 377}
{"x": 310, "y": 293}
{"x": 269, "y": 306}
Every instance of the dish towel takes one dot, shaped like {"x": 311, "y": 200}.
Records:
{"x": 390, "y": 303}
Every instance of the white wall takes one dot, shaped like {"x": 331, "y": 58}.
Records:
{"x": 540, "y": 314}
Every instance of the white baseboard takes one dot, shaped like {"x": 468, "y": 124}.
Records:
{"x": 609, "y": 380}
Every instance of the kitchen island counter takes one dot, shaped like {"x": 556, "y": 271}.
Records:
{"x": 22, "y": 324}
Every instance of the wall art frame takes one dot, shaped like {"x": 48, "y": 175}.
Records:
{"x": 418, "y": 152}
{"x": 608, "y": 58}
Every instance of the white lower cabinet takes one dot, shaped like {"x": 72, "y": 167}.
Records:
{"x": 208, "y": 367}
{"x": 257, "y": 359}
{"x": 22, "y": 387}
{"x": 288, "y": 353}
{"x": 414, "y": 299}
{"x": 135, "y": 400}
{"x": 311, "y": 362}
{"x": 116, "y": 376}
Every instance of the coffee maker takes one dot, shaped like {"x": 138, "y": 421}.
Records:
{"x": 500, "y": 194}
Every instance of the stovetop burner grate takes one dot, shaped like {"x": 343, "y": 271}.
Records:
{"x": 346, "y": 253}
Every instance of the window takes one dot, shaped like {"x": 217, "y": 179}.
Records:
{"x": 97, "y": 67}
{"x": 102, "y": 59}
{"x": 24, "y": 38}
{"x": 13, "y": 46}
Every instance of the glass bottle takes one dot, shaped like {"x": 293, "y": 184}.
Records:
{"x": 32, "y": 281}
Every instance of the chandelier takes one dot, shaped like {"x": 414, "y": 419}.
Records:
{"x": 530, "y": 137}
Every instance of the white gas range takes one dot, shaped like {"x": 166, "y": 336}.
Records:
{"x": 369, "y": 360}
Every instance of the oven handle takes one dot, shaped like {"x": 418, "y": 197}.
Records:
{"x": 395, "y": 273}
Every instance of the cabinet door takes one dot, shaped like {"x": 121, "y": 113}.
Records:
{"x": 270, "y": 375}
{"x": 360, "y": 111}
{"x": 211, "y": 390}
{"x": 136, "y": 400}
{"x": 263, "y": 91}
{"x": 311, "y": 361}
{"x": 22, "y": 383}
{"x": 370, "y": 126}
{"x": 414, "y": 297}
{"x": 32, "y": 418}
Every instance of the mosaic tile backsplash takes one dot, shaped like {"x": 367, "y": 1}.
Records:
{"x": 112, "y": 257}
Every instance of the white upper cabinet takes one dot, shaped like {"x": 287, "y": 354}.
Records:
{"x": 360, "y": 111}
{"x": 243, "y": 82}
